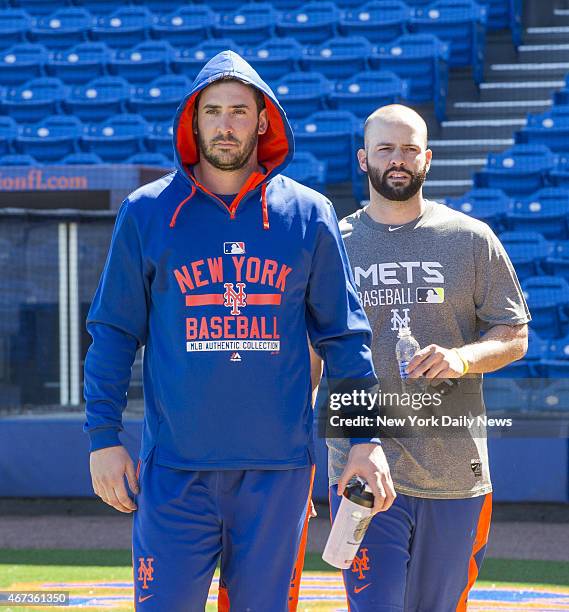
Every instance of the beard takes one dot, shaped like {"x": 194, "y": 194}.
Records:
{"x": 397, "y": 193}
{"x": 232, "y": 159}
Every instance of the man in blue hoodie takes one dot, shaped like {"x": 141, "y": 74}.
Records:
{"x": 220, "y": 270}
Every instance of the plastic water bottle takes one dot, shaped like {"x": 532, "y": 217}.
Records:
{"x": 352, "y": 520}
{"x": 405, "y": 348}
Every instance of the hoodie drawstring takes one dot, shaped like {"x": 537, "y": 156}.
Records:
{"x": 180, "y": 205}
{"x": 264, "y": 206}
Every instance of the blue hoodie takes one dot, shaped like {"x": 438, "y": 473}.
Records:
{"x": 222, "y": 297}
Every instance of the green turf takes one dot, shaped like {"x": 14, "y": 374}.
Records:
{"x": 114, "y": 564}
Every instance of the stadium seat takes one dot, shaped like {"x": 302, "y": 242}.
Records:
{"x": 160, "y": 138}
{"x": 116, "y": 139}
{"x": 97, "y": 7}
{"x": 35, "y": 7}
{"x": 63, "y": 28}
{"x": 550, "y": 129}
{"x": 312, "y": 23}
{"x": 80, "y": 64}
{"x": 14, "y": 24}
{"x": 561, "y": 96}
{"x": 22, "y": 62}
{"x": 527, "y": 251}
{"x": 250, "y": 24}
{"x": 422, "y": 60}
{"x": 366, "y": 91}
{"x": 151, "y": 159}
{"x": 553, "y": 397}
{"x": 191, "y": 61}
{"x": 306, "y": 169}
{"x": 379, "y": 21}
{"x": 50, "y": 139}
{"x": 329, "y": 136}
{"x": 99, "y": 99}
{"x": 537, "y": 347}
{"x": 159, "y": 7}
{"x": 547, "y": 298}
{"x": 546, "y": 212}
{"x": 556, "y": 358}
{"x": 18, "y": 160}
{"x": 338, "y": 58}
{"x": 142, "y": 63}
{"x": 518, "y": 171}
{"x": 559, "y": 174}
{"x": 274, "y": 59}
{"x": 126, "y": 27}
{"x": 287, "y": 5}
{"x": 222, "y": 6}
{"x": 488, "y": 205}
{"x": 503, "y": 395}
{"x": 461, "y": 23}
{"x": 303, "y": 93}
{"x": 498, "y": 14}
{"x": 557, "y": 264}
{"x": 8, "y": 133}
{"x": 35, "y": 99}
{"x": 81, "y": 159}
{"x": 188, "y": 26}
{"x": 159, "y": 100}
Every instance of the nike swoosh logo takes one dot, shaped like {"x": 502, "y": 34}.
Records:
{"x": 141, "y": 598}
{"x": 359, "y": 589}
{"x": 394, "y": 229}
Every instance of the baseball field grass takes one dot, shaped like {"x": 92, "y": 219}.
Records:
{"x": 105, "y": 576}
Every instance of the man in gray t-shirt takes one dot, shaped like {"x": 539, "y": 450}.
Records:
{"x": 419, "y": 264}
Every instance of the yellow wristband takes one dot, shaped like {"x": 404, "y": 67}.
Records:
{"x": 465, "y": 366}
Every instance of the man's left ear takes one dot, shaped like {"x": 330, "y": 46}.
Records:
{"x": 429, "y": 157}
{"x": 263, "y": 122}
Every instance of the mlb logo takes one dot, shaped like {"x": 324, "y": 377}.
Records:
{"x": 233, "y": 248}
{"x": 235, "y": 357}
{"x": 430, "y": 295}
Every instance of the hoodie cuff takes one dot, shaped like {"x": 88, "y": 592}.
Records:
{"x": 354, "y": 441}
{"x": 104, "y": 438}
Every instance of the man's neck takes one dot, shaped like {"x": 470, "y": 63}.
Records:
{"x": 224, "y": 182}
{"x": 392, "y": 212}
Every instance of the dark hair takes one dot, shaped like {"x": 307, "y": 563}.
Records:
{"x": 228, "y": 78}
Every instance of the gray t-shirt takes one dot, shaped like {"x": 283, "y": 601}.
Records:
{"x": 447, "y": 277}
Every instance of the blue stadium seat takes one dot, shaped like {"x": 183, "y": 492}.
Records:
{"x": 159, "y": 7}
{"x": 559, "y": 174}
{"x": 366, "y": 91}
{"x": 489, "y": 205}
{"x": 8, "y": 133}
{"x": 312, "y": 23}
{"x": 553, "y": 397}
{"x": 550, "y": 129}
{"x": 527, "y": 251}
{"x": 151, "y": 159}
{"x": 126, "y": 27}
{"x": 82, "y": 159}
{"x": 97, "y": 7}
{"x": 81, "y": 63}
{"x": 498, "y": 14}
{"x": 303, "y": 93}
{"x": 518, "y": 171}
{"x": 462, "y": 23}
{"x": 547, "y": 298}
{"x": 188, "y": 26}
{"x": 221, "y": 6}
{"x": 142, "y": 63}
{"x": 309, "y": 171}
{"x": 99, "y": 99}
{"x": 379, "y": 21}
{"x": 22, "y": 62}
{"x": 18, "y": 160}
{"x": 537, "y": 347}
{"x": 159, "y": 100}
{"x": 274, "y": 59}
{"x": 503, "y": 394}
{"x": 117, "y": 138}
{"x": 191, "y": 61}
{"x": 561, "y": 96}
{"x": 50, "y": 139}
{"x": 63, "y": 28}
{"x": 160, "y": 139}
{"x": 14, "y": 24}
{"x": 35, "y": 99}
{"x": 338, "y": 58}
{"x": 35, "y": 7}
{"x": 546, "y": 212}
{"x": 329, "y": 136}
{"x": 250, "y": 24}
{"x": 422, "y": 60}
{"x": 557, "y": 264}
{"x": 287, "y": 5}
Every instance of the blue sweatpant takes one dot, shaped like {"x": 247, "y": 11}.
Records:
{"x": 422, "y": 555}
{"x": 186, "y": 521}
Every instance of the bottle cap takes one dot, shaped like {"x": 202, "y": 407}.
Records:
{"x": 357, "y": 493}
{"x": 404, "y": 331}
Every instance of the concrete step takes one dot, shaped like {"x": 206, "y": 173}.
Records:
{"x": 496, "y": 108}
{"x": 455, "y": 168}
{"x": 481, "y": 128}
{"x": 504, "y": 89}
{"x": 558, "y": 33}
{"x": 468, "y": 147}
{"x": 443, "y": 189}
{"x": 528, "y": 71}
{"x": 544, "y": 52}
